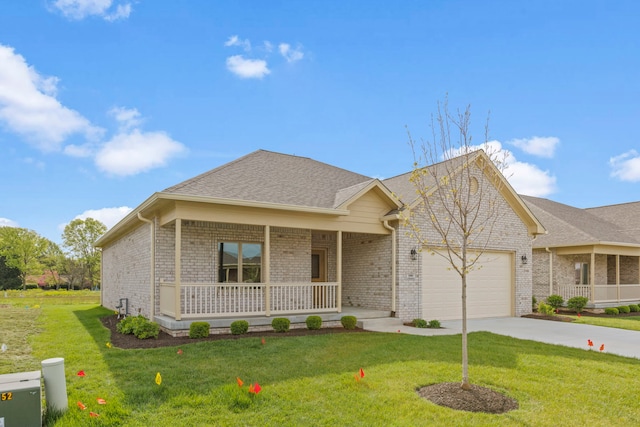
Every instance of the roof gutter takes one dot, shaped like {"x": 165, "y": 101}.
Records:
{"x": 152, "y": 271}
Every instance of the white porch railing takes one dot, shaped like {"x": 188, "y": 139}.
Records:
{"x": 243, "y": 299}
{"x": 603, "y": 293}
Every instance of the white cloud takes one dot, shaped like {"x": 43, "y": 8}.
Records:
{"x": 128, "y": 118}
{"x": 107, "y": 216}
{"x": 541, "y": 146}
{"x": 626, "y": 166}
{"x": 5, "y": 222}
{"x": 235, "y": 41}
{"x": 268, "y": 46}
{"x": 28, "y": 105}
{"x": 122, "y": 12}
{"x": 247, "y": 68}
{"x": 134, "y": 152}
{"x": 291, "y": 55}
{"x": 85, "y": 150}
{"x": 80, "y": 9}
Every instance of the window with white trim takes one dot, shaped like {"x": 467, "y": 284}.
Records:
{"x": 239, "y": 262}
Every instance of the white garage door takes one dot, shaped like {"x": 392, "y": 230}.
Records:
{"x": 489, "y": 289}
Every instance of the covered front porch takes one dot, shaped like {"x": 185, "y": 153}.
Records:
{"x": 231, "y": 271}
{"x": 606, "y": 275}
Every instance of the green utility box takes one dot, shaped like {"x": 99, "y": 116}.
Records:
{"x": 20, "y": 404}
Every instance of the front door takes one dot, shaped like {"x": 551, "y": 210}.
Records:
{"x": 319, "y": 274}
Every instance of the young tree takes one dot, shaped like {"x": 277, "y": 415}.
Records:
{"x": 458, "y": 188}
{"x": 22, "y": 249}
{"x": 53, "y": 261}
{"x": 79, "y": 236}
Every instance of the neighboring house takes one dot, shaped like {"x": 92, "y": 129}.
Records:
{"x": 271, "y": 234}
{"x": 593, "y": 252}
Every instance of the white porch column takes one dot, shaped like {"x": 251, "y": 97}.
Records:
{"x": 618, "y": 277}
{"x": 592, "y": 276}
{"x": 266, "y": 278}
{"x": 339, "y": 269}
{"x": 178, "y": 267}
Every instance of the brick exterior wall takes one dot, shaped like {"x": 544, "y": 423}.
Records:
{"x": 126, "y": 267}
{"x": 508, "y": 234}
{"x": 366, "y": 271}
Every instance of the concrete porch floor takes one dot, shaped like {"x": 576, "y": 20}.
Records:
{"x": 181, "y": 327}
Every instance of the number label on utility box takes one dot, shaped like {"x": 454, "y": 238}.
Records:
{"x": 6, "y": 396}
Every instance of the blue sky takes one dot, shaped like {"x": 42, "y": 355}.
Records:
{"x": 104, "y": 102}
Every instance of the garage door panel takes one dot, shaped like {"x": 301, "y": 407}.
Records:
{"x": 489, "y": 288}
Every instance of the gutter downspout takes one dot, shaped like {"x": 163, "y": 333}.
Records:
{"x": 550, "y": 270}
{"x": 393, "y": 266}
{"x": 152, "y": 271}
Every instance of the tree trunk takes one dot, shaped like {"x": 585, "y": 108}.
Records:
{"x": 465, "y": 358}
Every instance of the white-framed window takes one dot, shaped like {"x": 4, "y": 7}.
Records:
{"x": 239, "y": 262}
{"x": 582, "y": 273}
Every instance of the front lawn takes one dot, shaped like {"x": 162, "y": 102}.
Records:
{"x": 311, "y": 380}
{"x": 629, "y": 322}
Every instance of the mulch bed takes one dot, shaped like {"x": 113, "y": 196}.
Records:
{"x": 165, "y": 340}
{"x": 476, "y": 399}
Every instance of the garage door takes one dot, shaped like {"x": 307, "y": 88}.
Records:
{"x": 489, "y": 289}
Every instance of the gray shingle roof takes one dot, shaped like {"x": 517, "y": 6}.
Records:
{"x": 625, "y": 216}
{"x": 568, "y": 226}
{"x": 265, "y": 176}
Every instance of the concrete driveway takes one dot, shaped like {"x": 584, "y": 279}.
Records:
{"x": 617, "y": 341}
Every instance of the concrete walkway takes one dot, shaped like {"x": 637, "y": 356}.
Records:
{"x": 617, "y": 341}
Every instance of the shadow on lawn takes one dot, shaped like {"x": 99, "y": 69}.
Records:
{"x": 201, "y": 367}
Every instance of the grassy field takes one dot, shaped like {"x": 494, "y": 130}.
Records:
{"x": 310, "y": 380}
{"x": 631, "y": 322}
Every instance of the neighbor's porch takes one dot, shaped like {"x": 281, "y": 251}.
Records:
{"x": 229, "y": 271}
{"x": 605, "y": 278}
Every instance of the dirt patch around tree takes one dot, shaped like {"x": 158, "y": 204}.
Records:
{"x": 165, "y": 340}
{"x": 476, "y": 399}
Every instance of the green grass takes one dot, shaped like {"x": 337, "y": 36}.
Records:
{"x": 310, "y": 380}
{"x": 38, "y": 297}
{"x": 630, "y": 322}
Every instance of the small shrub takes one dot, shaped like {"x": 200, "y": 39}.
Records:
{"x": 314, "y": 322}
{"x": 239, "y": 327}
{"x": 125, "y": 326}
{"x": 624, "y": 309}
{"x": 534, "y": 302}
{"x": 419, "y": 323}
{"x": 348, "y": 322}
{"x": 199, "y": 330}
{"x": 577, "y": 303}
{"x": 634, "y": 308}
{"x": 611, "y": 310}
{"x": 434, "y": 324}
{"x": 545, "y": 309}
{"x": 555, "y": 301}
{"x": 280, "y": 324}
{"x": 147, "y": 329}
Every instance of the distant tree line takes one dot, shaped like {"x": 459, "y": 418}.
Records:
{"x": 24, "y": 253}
